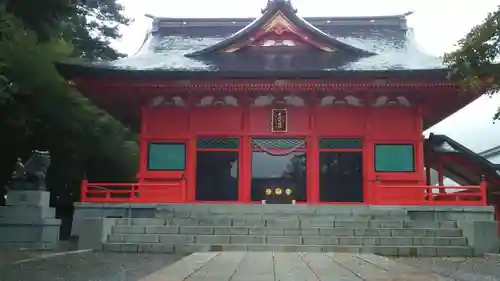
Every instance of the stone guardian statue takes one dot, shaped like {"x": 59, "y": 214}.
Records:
{"x": 32, "y": 174}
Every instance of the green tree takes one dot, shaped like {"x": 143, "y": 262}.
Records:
{"x": 89, "y": 25}
{"x": 37, "y": 107}
{"x": 93, "y": 26}
{"x": 475, "y": 63}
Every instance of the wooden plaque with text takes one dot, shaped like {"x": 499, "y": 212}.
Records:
{"x": 279, "y": 122}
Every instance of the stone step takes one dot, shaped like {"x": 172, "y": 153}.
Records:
{"x": 313, "y": 222}
{"x": 451, "y": 251}
{"x": 274, "y": 209}
{"x": 288, "y": 240}
{"x": 279, "y": 216}
{"x": 312, "y": 231}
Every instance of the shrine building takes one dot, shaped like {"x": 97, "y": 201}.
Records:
{"x": 328, "y": 110}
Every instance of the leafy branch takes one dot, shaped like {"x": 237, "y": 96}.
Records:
{"x": 474, "y": 63}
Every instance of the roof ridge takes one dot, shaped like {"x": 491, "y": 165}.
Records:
{"x": 395, "y": 21}
{"x": 243, "y": 19}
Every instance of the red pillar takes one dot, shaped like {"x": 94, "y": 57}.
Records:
{"x": 245, "y": 178}
{"x": 312, "y": 159}
{"x": 245, "y": 169}
{"x": 191, "y": 155}
{"x": 312, "y": 170}
{"x": 419, "y": 146}
{"x": 143, "y": 147}
{"x": 191, "y": 168}
{"x": 370, "y": 187}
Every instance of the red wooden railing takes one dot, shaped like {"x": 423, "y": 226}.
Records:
{"x": 151, "y": 192}
{"x": 384, "y": 193}
{"x": 471, "y": 195}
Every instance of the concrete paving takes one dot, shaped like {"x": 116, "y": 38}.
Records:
{"x": 274, "y": 266}
{"x": 245, "y": 266}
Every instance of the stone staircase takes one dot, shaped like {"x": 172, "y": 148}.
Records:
{"x": 386, "y": 232}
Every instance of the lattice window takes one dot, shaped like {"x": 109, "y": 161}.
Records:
{"x": 331, "y": 143}
{"x": 394, "y": 158}
{"x": 278, "y": 143}
{"x": 222, "y": 143}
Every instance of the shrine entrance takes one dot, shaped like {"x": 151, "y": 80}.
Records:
{"x": 279, "y": 170}
{"x": 341, "y": 176}
{"x": 217, "y": 169}
{"x": 341, "y": 170}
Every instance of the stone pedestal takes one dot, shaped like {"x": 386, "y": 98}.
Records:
{"x": 28, "y": 221}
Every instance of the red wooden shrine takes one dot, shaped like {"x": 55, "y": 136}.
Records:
{"x": 234, "y": 114}
{"x": 266, "y": 98}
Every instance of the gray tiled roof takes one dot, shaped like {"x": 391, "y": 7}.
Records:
{"x": 170, "y": 40}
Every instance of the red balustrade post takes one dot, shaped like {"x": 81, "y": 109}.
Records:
{"x": 483, "y": 186}
{"x": 107, "y": 193}
{"x": 375, "y": 195}
{"x": 83, "y": 189}
{"x": 440, "y": 172}
{"x": 184, "y": 190}
{"x": 134, "y": 192}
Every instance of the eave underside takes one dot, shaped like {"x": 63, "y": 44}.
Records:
{"x": 73, "y": 70}
{"x": 123, "y": 97}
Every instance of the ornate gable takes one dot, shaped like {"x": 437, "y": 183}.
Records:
{"x": 279, "y": 32}
{"x": 280, "y": 28}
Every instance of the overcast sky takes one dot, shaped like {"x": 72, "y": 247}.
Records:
{"x": 437, "y": 25}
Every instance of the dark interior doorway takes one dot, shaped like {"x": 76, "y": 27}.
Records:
{"x": 217, "y": 176}
{"x": 283, "y": 171}
{"x": 341, "y": 176}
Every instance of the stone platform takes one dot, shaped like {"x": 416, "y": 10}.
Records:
{"x": 383, "y": 230}
{"x": 28, "y": 221}
{"x": 273, "y": 266}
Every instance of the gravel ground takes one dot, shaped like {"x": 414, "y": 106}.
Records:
{"x": 8, "y": 256}
{"x": 89, "y": 266}
{"x": 460, "y": 269}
